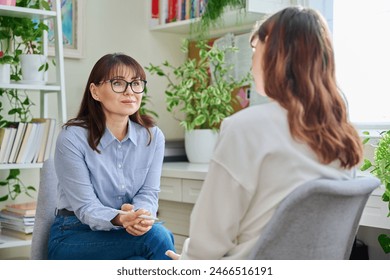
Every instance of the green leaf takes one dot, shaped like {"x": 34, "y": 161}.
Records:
{"x": 199, "y": 120}
{"x": 4, "y": 198}
{"x": 366, "y": 165}
{"x": 384, "y": 241}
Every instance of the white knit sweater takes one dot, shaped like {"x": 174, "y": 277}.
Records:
{"x": 256, "y": 164}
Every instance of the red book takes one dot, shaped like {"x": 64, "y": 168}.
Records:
{"x": 172, "y": 10}
{"x": 155, "y": 9}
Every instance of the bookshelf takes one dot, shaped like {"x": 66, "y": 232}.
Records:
{"x": 57, "y": 87}
{"x": 232, "y": 21}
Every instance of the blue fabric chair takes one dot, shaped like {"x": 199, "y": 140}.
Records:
{"x": 318, "y": 220}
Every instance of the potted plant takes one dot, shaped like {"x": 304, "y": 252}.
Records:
{"x": 380, "y": 167}
{"x": 202, "y": 90}
{"x": 6, "y": 59}
{"x": 214, "y": 11}
{"x": 29, "y": 50}
{"x": 5, "y": 67}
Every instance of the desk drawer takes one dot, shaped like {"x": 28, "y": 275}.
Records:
{"x": 170, "y": 189}
{"x": 375, "y": 213}
{"x": 191, "y": 190}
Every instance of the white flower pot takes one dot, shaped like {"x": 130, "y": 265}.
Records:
{"x": 199, "y": 145}
{"x": 30, "y": 64}
{"x": 5, "y": 73}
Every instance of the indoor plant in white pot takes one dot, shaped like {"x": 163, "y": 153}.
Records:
{"x": 205, "y": 98}
{"x": 28, "y": 35}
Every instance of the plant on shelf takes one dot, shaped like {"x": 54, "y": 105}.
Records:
{"x": 380, "y": 167}
{"x": 213, "y": 12}
{"x": 201, "y": 89}
{"x": 22, "y": 35}
{"x": 28, "y": 38}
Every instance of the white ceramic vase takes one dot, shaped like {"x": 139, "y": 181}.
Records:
{"x": 30, "y": 64}
{"x": 5, "y": 73}
{"x": 199, "y": 145}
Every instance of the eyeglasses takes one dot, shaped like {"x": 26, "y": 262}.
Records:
{"x": 120, "y": 85}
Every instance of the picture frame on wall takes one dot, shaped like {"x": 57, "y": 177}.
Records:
{"x": 71, "y": 11}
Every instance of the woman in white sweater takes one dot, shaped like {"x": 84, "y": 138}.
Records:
{"x": 266, "y": 151}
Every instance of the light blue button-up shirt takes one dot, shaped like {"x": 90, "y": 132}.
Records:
{"x": 95, "y": 185}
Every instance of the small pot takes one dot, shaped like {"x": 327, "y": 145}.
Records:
{"x": 199, "y": 145}
{"x": 30, "y": 64}
{"x": 5, "y": 73}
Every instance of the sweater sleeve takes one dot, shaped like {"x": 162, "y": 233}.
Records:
{"x": 215, "y": 218}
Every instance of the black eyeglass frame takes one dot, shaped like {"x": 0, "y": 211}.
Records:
{"x": 127, "y": 85}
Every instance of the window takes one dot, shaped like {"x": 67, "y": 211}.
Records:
{"x": 362, "y": 49}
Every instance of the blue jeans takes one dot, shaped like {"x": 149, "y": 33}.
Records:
{"x": 72, "y": 240}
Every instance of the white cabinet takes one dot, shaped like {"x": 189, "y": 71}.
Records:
{"x": 181, "y": 183}
{"x": 57, "y": 87}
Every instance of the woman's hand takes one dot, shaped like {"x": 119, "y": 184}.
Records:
{"x": 132, "y": 223}
{"x": 172, "y": 255}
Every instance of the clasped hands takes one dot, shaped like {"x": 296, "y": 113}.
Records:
{"x": 132, "y": 223}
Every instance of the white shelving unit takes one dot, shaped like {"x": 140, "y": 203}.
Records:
{"x": 58, "y": 87}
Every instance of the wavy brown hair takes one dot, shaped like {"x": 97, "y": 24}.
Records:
{"x": 299, "y": 73}
{"x": 91, "y": 115}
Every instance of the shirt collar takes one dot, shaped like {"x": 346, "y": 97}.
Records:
{"x": 108, "y": 137}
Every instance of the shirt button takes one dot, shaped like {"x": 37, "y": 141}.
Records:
{"x": 123, "y": 186}
{"x": 119, "y": 165}
{"x": 119, "y": 146}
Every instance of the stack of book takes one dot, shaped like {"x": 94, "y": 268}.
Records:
{"x": 17, "y": 220}
{"x": 27, "y": 142}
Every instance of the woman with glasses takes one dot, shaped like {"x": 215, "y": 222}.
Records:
{"x": 108, "y": 161}
{"x": 264, "y": 152}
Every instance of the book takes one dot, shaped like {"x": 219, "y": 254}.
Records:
{"x": 32, "y": 154}
{"x": 16, "y": 221}
{"x": 50, "y": 140}
{"x": 26, "y": 208}
{"x": 17, "y": 141}
{"x": 28, "y": 140}
{"x": 5, "y": 134}
{"x": 155, "y": 14}
{"x": 28, "y": 219}
{"x": 17, "y": 227}
{"x": 10, "y": 143}
{"x": 17, "y": 234}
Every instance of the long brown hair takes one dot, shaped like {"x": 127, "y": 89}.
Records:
{"x": 91, "y": 115}
{"x": 299, "y": 73}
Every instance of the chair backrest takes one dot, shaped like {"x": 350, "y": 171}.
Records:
{"x": 45, "y": 213}
{"x": 318, "y": 220}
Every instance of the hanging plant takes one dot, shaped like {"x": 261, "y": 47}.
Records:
{"x": 214, "y": 11}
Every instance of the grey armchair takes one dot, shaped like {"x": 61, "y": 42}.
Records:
{"x": 45, "y": 213}
{"x": 318, "y": 220}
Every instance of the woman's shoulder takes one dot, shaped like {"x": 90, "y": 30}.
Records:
{"x": 264, "y": 113}
{"x": 72, "y": 132}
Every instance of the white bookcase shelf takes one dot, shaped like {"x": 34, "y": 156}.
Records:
{"x": 12, "y": 242}
{"x": 57, "y": 87}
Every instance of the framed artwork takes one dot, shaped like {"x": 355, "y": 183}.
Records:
{"x": 71, "y": 11}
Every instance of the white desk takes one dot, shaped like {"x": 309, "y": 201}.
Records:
{"x": 181, "y": 183}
